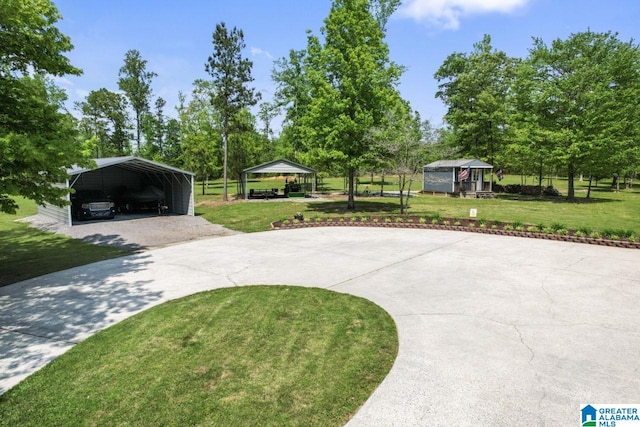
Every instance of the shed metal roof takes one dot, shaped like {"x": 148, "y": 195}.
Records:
{"x": 474, "y": 163}
{"x": 133, "y": 163}
{"x": 279, "y": 166}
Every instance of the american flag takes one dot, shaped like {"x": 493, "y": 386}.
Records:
{"x": 464, "y": 174}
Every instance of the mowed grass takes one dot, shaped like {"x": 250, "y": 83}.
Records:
{"x": 257, "y": 355}
{"x": 26, "y": 252}
{"x": 604, "y": 210}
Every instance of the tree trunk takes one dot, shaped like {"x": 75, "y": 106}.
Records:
{"x": 382, "y": 186}
{"x": 406, "y": 207}
{"x": 138, "y": 132}
{"x": 401, "y": 181}
{"x": 540, "y": 178}
{"x": 589, "y": 187}
{"x": 225, "y": 138}
{"x": 570, "y": 176}
{"x": 203, "y": 186}
{"x": 351, "y": 203}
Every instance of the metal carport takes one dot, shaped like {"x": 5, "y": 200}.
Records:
{"x": 280, "y": 166}
{"x": 131, "y": 172}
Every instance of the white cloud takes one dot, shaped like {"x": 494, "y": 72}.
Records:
{"x": 62, "y": 81}
{"x": 256, "y": 51}
{"x": 447, "y": 13}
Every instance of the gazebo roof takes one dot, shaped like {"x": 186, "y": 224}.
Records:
{"x": 460, "y": 163}
{"x": 279, "y": 166}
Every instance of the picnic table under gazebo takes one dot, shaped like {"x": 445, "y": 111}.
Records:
{"x": 300, "y": 180}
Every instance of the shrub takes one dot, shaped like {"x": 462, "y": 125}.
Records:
{"x": 508, "y": 227}
{"x": 579, "y": 233}
{"x": 557, "y": 226}
{"x": 518, "y": 225}
{"x": 594, "y": 235}
{"x": 423, "y": 220}
{"x": 585, "y": 230}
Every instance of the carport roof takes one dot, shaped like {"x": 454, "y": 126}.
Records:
{"x": 134, "y": 163}
{"x": 279, "y": 166}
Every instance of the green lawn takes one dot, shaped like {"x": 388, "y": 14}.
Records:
{"x": 26, "y": 252}
{"x": 605, "y": 210}
{"x": 248, "y": 356}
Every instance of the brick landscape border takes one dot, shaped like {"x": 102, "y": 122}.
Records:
{"x": 446, "y": 224}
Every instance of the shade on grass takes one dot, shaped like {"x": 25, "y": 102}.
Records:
{"x": 26, "y": 252}
{"x": 259, "y": 355}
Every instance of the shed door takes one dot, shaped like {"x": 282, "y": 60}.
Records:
{"x": 480, "y": 180}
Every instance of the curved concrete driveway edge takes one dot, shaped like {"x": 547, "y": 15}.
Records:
{"x": 493, "y": 330}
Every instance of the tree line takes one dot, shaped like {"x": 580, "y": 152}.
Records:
{"x": 569, "y": 107}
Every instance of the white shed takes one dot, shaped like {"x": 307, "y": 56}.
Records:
{"x": 114, "y": 174}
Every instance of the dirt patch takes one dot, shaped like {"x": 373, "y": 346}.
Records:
{"x": 136, "y": 232}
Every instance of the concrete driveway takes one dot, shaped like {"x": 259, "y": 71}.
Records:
{"x": 493, "y": 330}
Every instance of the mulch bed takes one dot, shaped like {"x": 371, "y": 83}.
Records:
{"x": 465, "y": 224}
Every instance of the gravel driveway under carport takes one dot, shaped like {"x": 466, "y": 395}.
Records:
{"x": 493, "y": 330}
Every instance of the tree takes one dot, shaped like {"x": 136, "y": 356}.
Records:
{"x": 200, "y": 133}
{"x": 154, "y": 130}
{"x": 231, "y": 73}
{"x": 589, "y": 96}
{"x": 352, "y": 83}
{"x": 172, "y": 143}
{"x": 268, "y": 111}
{"x": 37, "y": 136}
{"x": 527, "y": 147}
{"x": 105, "y": 119}
{"x": 474, "y": 87}
{"x": 135, "y": 82}
{"x": 293, "y": 95}
{"x": 247, "y": 145}
{"x": 402, "y": 142}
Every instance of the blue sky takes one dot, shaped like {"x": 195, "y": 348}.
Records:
{"x": 175, "y": 36}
